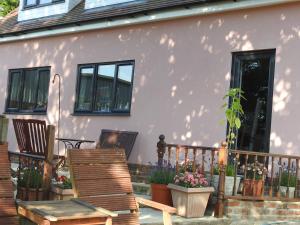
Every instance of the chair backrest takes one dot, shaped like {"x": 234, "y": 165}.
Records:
{"x": 8, "y": 211}
{"x": 118, "y": 139}
{"x": 101, "y": 178}
{"x": 31, "y": 136}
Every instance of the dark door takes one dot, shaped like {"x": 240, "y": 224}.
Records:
{"x": 253, "y": 72}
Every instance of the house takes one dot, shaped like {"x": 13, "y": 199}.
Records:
{"x": 156, "y": 67}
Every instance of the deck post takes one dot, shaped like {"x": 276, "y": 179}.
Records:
{"x": 161, "y": 149}
{"x": 50, "y": 136}
{"x": 219, "y": 208}
{"x": 3, "y": 129}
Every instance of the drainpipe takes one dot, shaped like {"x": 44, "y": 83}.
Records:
{"x": 58, "y": 122}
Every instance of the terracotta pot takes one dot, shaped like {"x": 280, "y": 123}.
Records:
{"x": 253, "y": 187}
{"x": 31, "y": 194}
{"x": 161, "y": 193}
{"x": 190, "y": 202}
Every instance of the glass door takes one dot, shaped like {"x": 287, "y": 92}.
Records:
{"x": 253, "y": 72}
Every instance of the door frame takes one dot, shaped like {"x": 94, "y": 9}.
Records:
{"x": 235, "y": 81}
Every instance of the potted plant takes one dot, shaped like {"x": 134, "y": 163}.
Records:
{"x": 229, "y": 179}
{"x": 159, "y": 179}
{"x": 253, "y": 182}
{"x": 30, "y": 185}
{"x": 287, "y": 182}
{"x": 61, "y": 189}
{"x": 190, "y": 193}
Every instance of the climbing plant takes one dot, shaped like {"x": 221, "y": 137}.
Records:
{"x": 6, "y": 6}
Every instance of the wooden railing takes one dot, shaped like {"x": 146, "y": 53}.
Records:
{"x": 276, "y": 177}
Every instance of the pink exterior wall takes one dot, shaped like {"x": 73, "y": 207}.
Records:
{"x": 182, "y": 71}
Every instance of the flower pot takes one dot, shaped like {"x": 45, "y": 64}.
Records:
{"x": 190, "y": 202}
{"x": 30, "y": 194}
{"x": 253, "y": 187}
{"x": 58, "y": 193}
{"x": 229, "y": 183}
{"x": 283, "y": 190}
{"x": 161, "y": 193}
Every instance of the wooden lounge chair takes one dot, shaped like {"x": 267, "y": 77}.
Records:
{"x": 100, "y": 177}
{"x": 8, "y": 212}
{"x": 118, "y": 139}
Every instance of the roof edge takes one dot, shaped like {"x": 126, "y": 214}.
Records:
{"x": 171, "y": 14}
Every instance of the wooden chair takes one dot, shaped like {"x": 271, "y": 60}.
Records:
{"x": 36, "y": 143}
{"x": 8, "y": 212}
{"x": 118, "y": 139}
{"x": 100, "y": 177}
{"x": 31, "y": 136}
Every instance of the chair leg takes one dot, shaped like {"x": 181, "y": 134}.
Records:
{"x": 108, "y": 221}
{"x": 167, "y": 218}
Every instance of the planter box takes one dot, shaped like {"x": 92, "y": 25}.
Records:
{"x": 283, "y": 190}
{"x": 162, "y": 194}
{"x": 190, "y": 202}
{"x": 57, "y": 193}
{"x": 229, "y": 183}
{"x": 31, "y": 194}
{"x": 253, "y": 187}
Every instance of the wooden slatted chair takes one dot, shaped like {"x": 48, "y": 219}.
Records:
{"x": 117, "y": 139}
{"x": 31, "y": 136}
{"x": 8, "y": 212}
{"x": 100, "y": 177}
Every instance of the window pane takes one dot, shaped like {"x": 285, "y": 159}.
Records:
{"x": 104, "y": 89}
{"x": 30, "y": 90}
{"x": 42, "y": 95}
{"x": 45, "y": 1}
{"x": 30, "y": 2}
{"x": 15, "y": 87}
{"x": 123, "y": 95}
{"x": 85, "y": 89}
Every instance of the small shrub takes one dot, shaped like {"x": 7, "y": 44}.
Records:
{"x": 161, "y": 176}
{"x": 30, "y": 178}
{"x": 285, "y": 177}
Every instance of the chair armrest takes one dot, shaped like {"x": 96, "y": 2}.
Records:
{"x": 156, "y": 205}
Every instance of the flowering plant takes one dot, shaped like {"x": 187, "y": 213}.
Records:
{"x": 64, "y": 182}
{"x": 256, "y": 170}
{"x": 191, "y": 180}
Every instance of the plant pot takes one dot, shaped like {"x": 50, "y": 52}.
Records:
{"x": 161, "y": 193}
{"x": 30, "y": 194}
{"x": 229, "y": 183}
{"x": 190, "y": 202}
{"x": 283, "y": 190}
{"x": 253, "y": 187}
{"x": 58, "y": 193}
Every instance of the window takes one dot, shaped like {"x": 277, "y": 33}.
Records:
{"x": 28, "y": 90}
{"x": 35, "y": 3}
{"x": 104, "y": 88}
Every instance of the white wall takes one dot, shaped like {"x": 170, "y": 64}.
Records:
{"x": 89, "y": 4}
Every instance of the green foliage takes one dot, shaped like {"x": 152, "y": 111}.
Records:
{"x": 229, "y": 170}
{"x": 32, "y": 178}
{"x": 285, "y": 177}
{"x": 162, "y": 176}
{"x": 6, "y": 6}
{"x": 233, "y": 112}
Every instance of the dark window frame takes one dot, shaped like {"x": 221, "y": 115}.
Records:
{"x": 38, "y": 4}
{"x": 19, "y": 110}
{"x": 95, "y": 66}
{"x": 235, "y": 81}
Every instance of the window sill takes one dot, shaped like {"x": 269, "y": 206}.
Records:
{"x": 123, "y": 114}
{"x": 26, "y": 113}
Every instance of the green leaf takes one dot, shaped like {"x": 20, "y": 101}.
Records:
{"x": 237, "y": 123}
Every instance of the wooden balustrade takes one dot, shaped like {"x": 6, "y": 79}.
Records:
{"x": 272, "y": 171}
